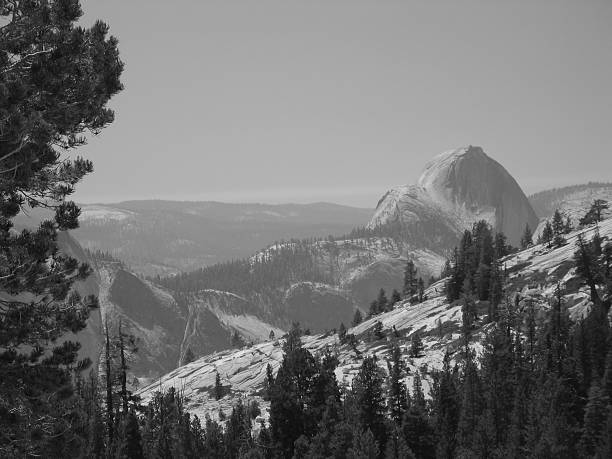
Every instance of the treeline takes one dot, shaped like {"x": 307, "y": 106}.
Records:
{"x": 474, "y": 269}
{"x": 101, "y": 255}
{"x": 279, "y": 267}
{"x": 423, "y": 234}
{"x": 555, "y": 229}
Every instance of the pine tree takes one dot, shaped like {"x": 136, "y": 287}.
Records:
{"x": 501, "y": 247}
{"x": 446, "y": 270}
{"x": 471, "y": 407}
{"x": 446, "y": 407}
{"x": 126, "y": 344}
{"x": 569, "y": 226}
{"x": 367, "y": 388}
{"x": 396, "y": 398}
{"x": 341, "y": 332}
{"x": 396, "y": 297}
{"x": 268, "y": 383}
{"x": 595, "y": 213}
{"x": 558, "y": 227}
{"x": 291, "y": 398}
{"x": 416, "y": 346}
{"x": 132, "y": 446}
{"x": 527, "y": 237}
{"x": 410, "y": 281}
{"x": 495, "y": 291}
{"x": 547, "y": 234}
{"x": 219, "y": 389}
{"x": 595, "y": 417}
{"x": 397, "y": 448}
{"x": 357, "y": 318}
{"x": 420, "y": 290}
{"x": 364, "y": 446}
{"x": 382, "y": 301}
{"x": 374, "y": 310}
{"x": 585, "y": 259}
{"x": 56, "y": 79}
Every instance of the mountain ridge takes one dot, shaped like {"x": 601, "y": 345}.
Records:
{"x": 459, "y": 187}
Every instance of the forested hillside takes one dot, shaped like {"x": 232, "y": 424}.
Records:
{"x": 524, "y": 374}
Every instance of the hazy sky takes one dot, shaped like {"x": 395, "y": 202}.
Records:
{"x": 281, "y": 101}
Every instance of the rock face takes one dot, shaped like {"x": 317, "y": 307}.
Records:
{"x": 456, "y": 189}
{"x": 212, "y": 318}
{"x": 163, "y": 327}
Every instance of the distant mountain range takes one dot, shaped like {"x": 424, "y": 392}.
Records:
{"x": 165, "y": 237}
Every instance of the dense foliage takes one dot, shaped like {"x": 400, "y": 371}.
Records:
{"x": 55, "y": 81}
{"x": 475, "y": 269}
{"x": 276, "y": 268}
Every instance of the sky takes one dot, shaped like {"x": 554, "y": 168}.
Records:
{"x": 330, "y": 100}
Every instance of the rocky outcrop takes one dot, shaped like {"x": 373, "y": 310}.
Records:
{"x": 213, "y": 316}
{"x": 456, "y": 189}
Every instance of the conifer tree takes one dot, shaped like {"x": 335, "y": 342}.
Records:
{"x": 416, "y": 346}
{"x": 396, "y": 297}
{"x": 585, "y": 259}
{"x": 558, "y": 228}
{"x": 410, "y": 281}
{"x": 547, "y": 234}
{"x": 396, "y": 399}
{"x": 357, "y": 318}
{"x": 471, "y": 403}
{"x": 527, "y": 237}
{"x": 341, "y": 332}
{"x": 56, "y": 80}
{"x": 219, "y": 391}
{"x": 364, "y": 446}
{"x": 132, "y": 445}
{"x": 269, "y": 382}
{"x": 595, "y": 417}
{"x": 367, "y": 388}
{"x": 291, "y": 397}
{"x": 382, "y": 301}
{"x": 418, "y": 397}
{"x": 374, "y": 310}
{"x": 397, "y": 448}
{"x": 416, "y": 425}
{"x": 569, "y": 226}
{"x": 501, "y": 247}
{"x": 420, "y": 290}
{"x": 446, "y": 408}
{"x": 495, "y": 291}
{"x": 595, "y": 213}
